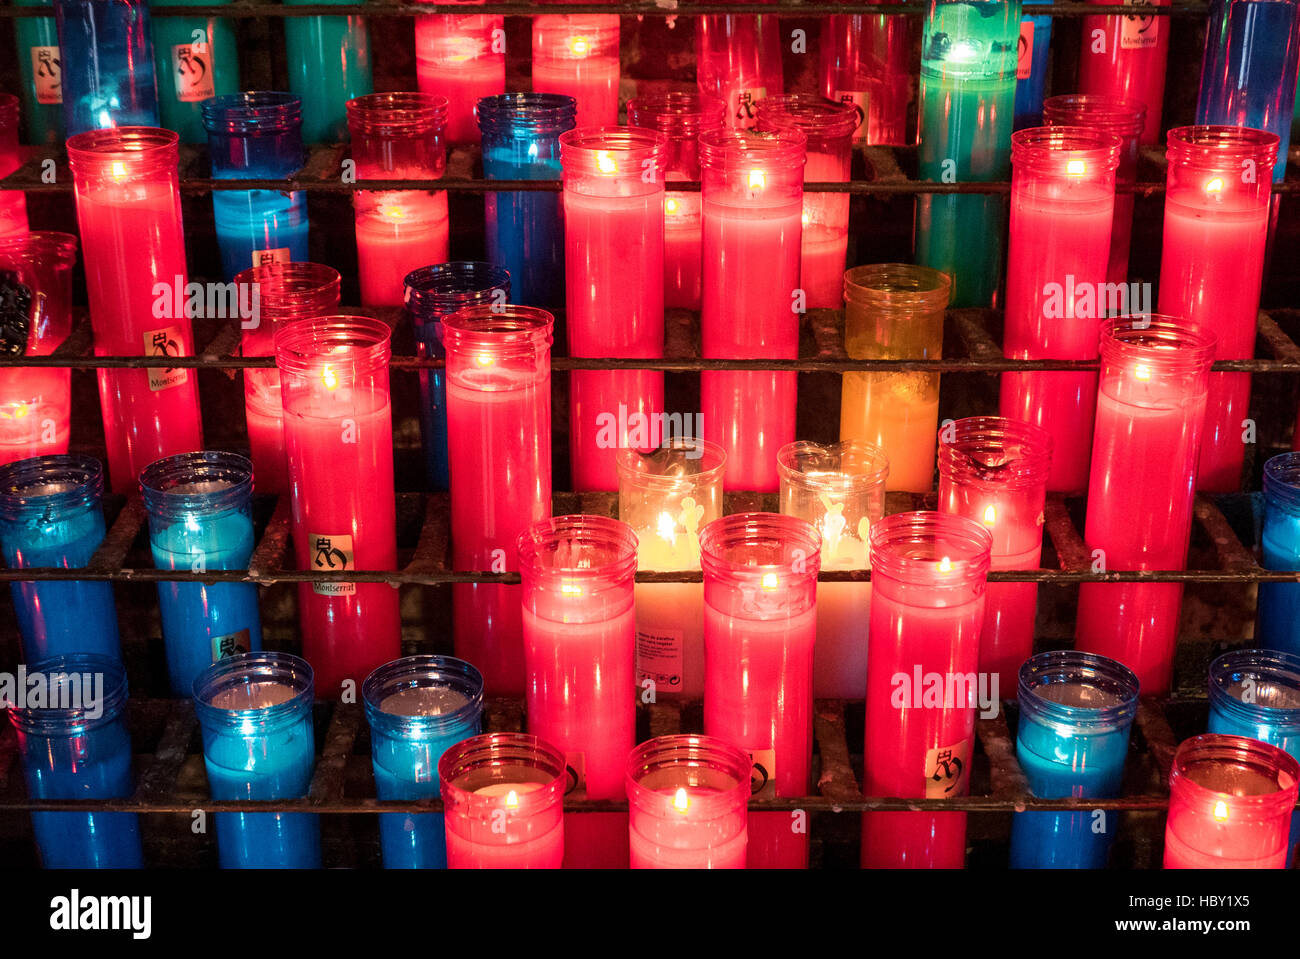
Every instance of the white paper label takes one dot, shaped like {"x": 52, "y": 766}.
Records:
{"x": 947, "y": 770}
{"x": 762, "y": 775}
{"x": 230, "y": 645}
{"x": 1138, "y": 30}
{"x": 332, "y": 554}
{"x": 746, "y": 101}
{"x": 47, "y": 74}
{"x": 1025, "y": 54}
{"x": 659, "y": 657}
{"x": 192, "y": 71}
{"x": 859, "y": 99}
{"x": 267, "y": 257}
{"x": 164, "y": 342}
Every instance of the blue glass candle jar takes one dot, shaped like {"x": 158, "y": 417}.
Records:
{"x": 525, "y": 230}
{"x": 417, "y": 707}
{"x": 329, "y": 64}
{"x": 37, "y": 42}
{"x": 1278, "y": 622}
{"x": 431, "y": 293}
{"x": 77, "y": 747}
{"x": 106, "y": 58}
{"x": 255, "y": 713}
{"x": 1075, "y": 713}
{"x": 250, "y": 136}
{"x": 195, "y": 58}
{"x": 1031, "y": 66}
{"x": 51, "y": 516}
{"x": 1256, "y": 693}
{"x": 201, "y": 518}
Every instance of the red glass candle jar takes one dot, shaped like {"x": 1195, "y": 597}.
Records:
{"x": 738, "y": 61}
{"x": 461, "y": 57}
{"x": 867, "y": 61}
{"x": 1125, "y": 57}
{"x": 577, "y": 55}
{"x": 13, "y": 203}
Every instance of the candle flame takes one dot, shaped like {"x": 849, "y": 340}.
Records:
{"x": 945, "y": 565}
{"x": 681, "y": 801}
{"x": 1143, "y": 372}
{"x": 990, "y": 515}
{"x": 770, "y": 581}
{"x": 579, "y": 46}
{"x": 1076, "y": 168}
{"x": 605, "y": 163}
{"x": 1215, "y": 185}
{"x": 329, "y": 377}
{"x": 393, "y": 211}
{"x": 667, "y": 528}
{"x": 757, "y": 179}
{"x": 119, "y": 170}
{"x": 17, "y": 411}
{"x": 671, "y": 206}
{"x": 483, "y": 359}
{"x": 1220, "y": 811}
{"x": 570, "y": 589}
{"x": 512, "y": 799}
{"x": 805, "y": 219}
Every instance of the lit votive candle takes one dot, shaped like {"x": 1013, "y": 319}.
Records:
{"x": 503, "y": 795}
{"x": 687, "y": 798}
{"x": 1125, "y": 57}
{"x": 667, "y": 496}
{"x": 1230, "y": 804}
{"x": 840, "y": 489}
{"x": 461, "y": 57}
{"x": 417, "y": 707}
{"x": 578, "y": 56}
{"x": 1278, "y": 624}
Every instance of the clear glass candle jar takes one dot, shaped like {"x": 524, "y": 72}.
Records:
{"x": 1217, "y": 198}
{"x": 1230, "y": 804}
{"x": 667, "y": 496}
{"x": 614, "y": 263}
{"x": 1125, "y": 57}
{"x": 968, "y": 92}
{"x": 1062, "y": 204}
{"x": 1125, "y": 119}
{"x": 687, "y": 800}
{"x": 1076, "y": 710}
{"x": 106, "y": 64}
{"x": 281, "y": 292}
{"x": 525, "y": 230}
{"x": 338, "y": 435}
{"x": 760, "y": 621}
{"x": 994, "y": 471}
{"x": 577, "y": 55}
{"x": 432, "y": 292}
{"x": 329, "y": 64}
{"x": 828, "y": 126}
{"x": 929, "y": 576}
{"x": 503, "y": 796}
{"x": 256, "y": 136}
{"x": 499, "y": 429}
{"x": 1150, "y": 414}
{"x": 254, "y": 710}
{"x": 680, "y": 117}
{"x": 1278, "y": 623}
{"x": 37, "y": 43}
{"x": 461, "y": 57}
{"x": 738, "y": 61}
{"x": 840, "y": 489}
{"x": 752, "y": 195}
{"x": 79, "y": 749}
{"x": 126, "y": 184}
{"x": 196, "y": 58}
{"x": 201, "y": 518}
{"x": 13, "y": 203}
{"x": 398, "y": 136}
{"x": 866, "y": 60}
{"x": 894, "y": 311}
{"x": 51, "y": 516}
{"x": 417, "y": 707}
{"x": 36, "y": 402}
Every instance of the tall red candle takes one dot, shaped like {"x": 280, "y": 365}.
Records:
{"x": 338, "y": 434}
{"x": 738, "y": 61}
{"x": 461, "y": 57}
{"x": 614, "y": 269}
{"x": 866, "y": 60}
{"x": 760, "y": 620}
{"x": 1150, "y": 413}
{"x": 577, "y": 55}
{"x": 1125, "y": 57}
{"x": 129, "y": 212}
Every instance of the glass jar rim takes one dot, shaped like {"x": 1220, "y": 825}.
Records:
{"x": 760, "y": 529}
{"x": 52, "y": 720}
{"x": 678, "y": 115}
{"x": 1263, "y": 757}
{"x": 167, "y": 484}
{"x": 904, "y": 546}
{"x": 242, "y": 669}
{"x": 1049, "y": 146}
{"x": 489, "y": 750}
{"x": 1281, "y": 479}
{"x": 425, "y": 670}
{"x": 143, "y": 147}
{"x": 1279, "y": 665}
{"x": 540, "y": 542}
{"x": 725, "y": 147}
{"x": 527, "y": 114}
{"x": 82, "y": 475}
{"x": 446, "y": 287}
{"x": 962, "y": 440}
{"x": 691, "y": 751}
{"x": 1216, "y": 144}
{"x": 1125, "y": 117}
{"x": 42, "y": 244}
{"x": 293, "y": 288}
{"x": 396, "y": 114}
{"x": 814, "y": 115}
{"x": 496, "y": 329}
{"x": 899, "y": 286}
{"x": 584, "y": 145}
{"x": 1166, "y": 341}
{"x": 302, "y": 344}
{"x": 1101, "y": 672}
{"x": 794, "y": 460}
{"x": 630, "y": 464}
{"x": 252, "y": 112}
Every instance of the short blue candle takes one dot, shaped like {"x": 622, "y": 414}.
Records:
{"x": 1075, "y": 713}
{"x": 191, "y": 71}
{"x": 255, "y": 713}
{"x": 106, "y": 50}
{"x": 77, "y": 747}
{"x": 329, "y": 64}
{"x": 431, "y": 293}
{"x": 1278, "y": 623}
{"x": 37, "y": 40}
{"x": 1031, "y": 72}
{"x": 201, "y": 519}
{"x": 256, "y": 135}
{"x": 1256, "y": 693}
{"x": 1248, "y": 74}
{"x": 417, "y": 707}
{"x": 525, "y": 230}
{"x": 50, "y": 516}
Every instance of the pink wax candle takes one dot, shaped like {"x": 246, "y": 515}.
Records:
{"x": 13, "y": 203}
{"x": 461, "y": 57}
{"x": 281, "y": 292}
{"x": 578, "y": 56}
{"x": 503, "y": 801}
{"x": 614, "y": 266}
{"x": 398, "y": 136}
{"x": 929, "y": 572}
{"x": 129, "y": 214}
{"x": 1150, "y": 412}
{"x": 1211, "y": 269}
{"x": 687, "y": 798}
{"x": 840, "y": 489}
{"x": 829, "y": 127}
{"x": 1062, "y": 204}
{"x": 1125, "y": 57}
{"x": 499, "y": 453}
{"x": 338, "y": 434}
{"x": 680, "y": 117}
{"x": 1230, "y": 804}
{"x": 994, "y": 471}
{"x": 738, "y": 61}
{"x": 36, "y": 402}
{"x": 752, "y": 204}
{"x": 760, "y": 620}
{"x": 1126, "y": 119}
